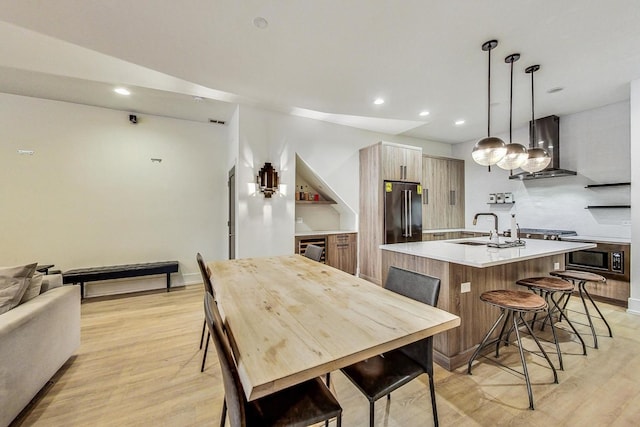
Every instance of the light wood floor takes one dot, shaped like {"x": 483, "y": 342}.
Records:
{"x": 139, "y": 365}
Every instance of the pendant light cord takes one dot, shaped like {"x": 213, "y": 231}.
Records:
{"x": 533, "y": 121}
{"x": 489, "y": 96}
{"x": 511, "y": 102}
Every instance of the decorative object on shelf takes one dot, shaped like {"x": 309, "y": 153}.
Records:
{"x": 613, "y": 184}
{"x": 508, "y": 198}
{"x": 516, "y": 154}
{"x": 490, "y": 150}
{"x": 492, "y": 198}
{"x": 538, "y": 158}
{"x": 499, "y": 197}
{"x": 267, "y": 180}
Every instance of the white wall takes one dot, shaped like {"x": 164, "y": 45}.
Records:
{"x": 634, "y": 300}
{"x": 595, "y": 143}
{"x": 91, "y": 196}
{"x": 267, "y": 226}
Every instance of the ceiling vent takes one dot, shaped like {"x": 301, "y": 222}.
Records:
{"x": 218, "y": 122}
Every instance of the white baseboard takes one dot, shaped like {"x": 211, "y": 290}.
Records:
{"x": 634, "y": 306}
{"x": 139, "y": 284}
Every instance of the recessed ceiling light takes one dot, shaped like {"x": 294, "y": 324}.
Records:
{"x": 260, "y": 22}
{"x": 424, "y": 113}
{"x": 459, "y": 122}
{"x": 378, "y": 101}
{"x": 122, "y": 91}
{"x": 555, "y": 89}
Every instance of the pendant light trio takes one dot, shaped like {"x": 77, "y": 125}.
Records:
{"x": 492, "y": 150}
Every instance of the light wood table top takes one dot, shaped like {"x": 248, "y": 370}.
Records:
{"x": 292, "y": 319}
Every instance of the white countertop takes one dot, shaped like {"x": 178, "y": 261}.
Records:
{"x": 449, "y": 230}
{"x": 598, "y": 239}
{"x": 483, "y": 256}
{"x": 322, "y": 232}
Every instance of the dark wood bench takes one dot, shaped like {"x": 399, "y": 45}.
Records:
{"x": 82, "y": 275}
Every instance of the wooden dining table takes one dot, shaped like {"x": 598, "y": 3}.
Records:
{"x": 291, "y": 319}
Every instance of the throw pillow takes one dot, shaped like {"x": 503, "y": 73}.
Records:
{"x": 50, "y": 281}
{"x": 13, "y": 284}
{"x": 33, "y": 289}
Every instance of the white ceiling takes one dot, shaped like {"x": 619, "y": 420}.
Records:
{"x": 327, "y": 59}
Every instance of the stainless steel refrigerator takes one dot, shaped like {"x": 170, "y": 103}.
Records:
{"x": 402, "y": 212}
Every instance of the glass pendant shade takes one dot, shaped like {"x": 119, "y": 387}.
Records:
{"x": 515, "y": 157}
{"x": 489, "y": 151}
{"x": 537, "y": 160}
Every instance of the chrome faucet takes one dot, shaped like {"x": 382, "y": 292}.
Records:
{"x": 495, "y": 217}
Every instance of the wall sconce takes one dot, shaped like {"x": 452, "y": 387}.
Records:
{"x": 267, "y": 180}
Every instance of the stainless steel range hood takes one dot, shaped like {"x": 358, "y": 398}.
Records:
{"x": 548, "y": 136}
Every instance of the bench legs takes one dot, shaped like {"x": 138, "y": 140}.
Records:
{"x": 168, "y": 285}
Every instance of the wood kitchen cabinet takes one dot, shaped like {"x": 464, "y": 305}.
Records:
{"x": 442, "y": 193}
{"x": 401, "y": 162}
{"x": 342, "y": 251}
{"x": 380, "y": 162}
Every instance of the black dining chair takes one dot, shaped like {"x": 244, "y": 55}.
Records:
{"x": 380, "y": 375}
{"x": 303, "y": 404}
{"x": 314, "y": 252}
{"x": 208, "y": 287}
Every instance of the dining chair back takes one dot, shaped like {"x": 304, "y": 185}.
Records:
{"x": 208, "y": 287}
{"x": 380, "y": 375}
{"x": 422, "y": 288}
{"x": 206, "y": 274}
{"x": 233, "y": 393}
{"x": 314, "y": 252}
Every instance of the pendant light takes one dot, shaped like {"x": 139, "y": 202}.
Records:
{"x": 538, "y": 158}
{"x": 516, "y": 153}
{"x": 488, "y": 151}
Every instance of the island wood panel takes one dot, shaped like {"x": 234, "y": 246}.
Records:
{"x": 292, "y": 319}
{"x": 453, "y": 348}
{"x": 612, "y": 291}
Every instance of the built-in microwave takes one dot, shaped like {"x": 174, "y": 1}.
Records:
{"x": 608, "y": 260}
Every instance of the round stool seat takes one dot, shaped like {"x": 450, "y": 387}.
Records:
{"x": 514, "y": 300}
{"x": 579, "y": 275}
{"x": 551, "y": 284}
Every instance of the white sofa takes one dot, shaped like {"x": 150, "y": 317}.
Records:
{"x": 36, "y": 339}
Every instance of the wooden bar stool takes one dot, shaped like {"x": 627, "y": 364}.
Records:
{"x": 512, "y": 305}
{"x": 549, "y": 288}
{"x": 581, "y": 278}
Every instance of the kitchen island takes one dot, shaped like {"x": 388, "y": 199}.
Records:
{"x": 470, "y": 263}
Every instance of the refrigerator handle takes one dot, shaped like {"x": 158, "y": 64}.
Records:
{"x": 404, "y": 213}
{"x": 410, "y": 222}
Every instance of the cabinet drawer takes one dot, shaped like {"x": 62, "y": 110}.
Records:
{"x": 342, "y": 251}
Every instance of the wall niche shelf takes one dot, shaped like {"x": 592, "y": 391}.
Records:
{"x": 613, "y": 184}
{"x": 500, "y": 204}
{"x": 315, "y": 202}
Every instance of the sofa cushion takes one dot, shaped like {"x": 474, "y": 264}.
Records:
{"x": 33, "y": 289}
{"x": 50, "y": 281}
{"x": 13, "y": 284}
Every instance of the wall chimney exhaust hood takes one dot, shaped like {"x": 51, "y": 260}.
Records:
{"x": 548, "y": 137}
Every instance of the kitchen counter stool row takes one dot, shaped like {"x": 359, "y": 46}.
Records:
{"x": 549, "y": 296}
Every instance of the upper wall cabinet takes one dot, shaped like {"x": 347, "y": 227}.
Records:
{"x": 380, "y": 162}
{"x": 442, "y": 193}
{"x": 401, "y": 162}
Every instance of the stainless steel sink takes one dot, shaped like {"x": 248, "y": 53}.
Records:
{"x": 470, "y": 243}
